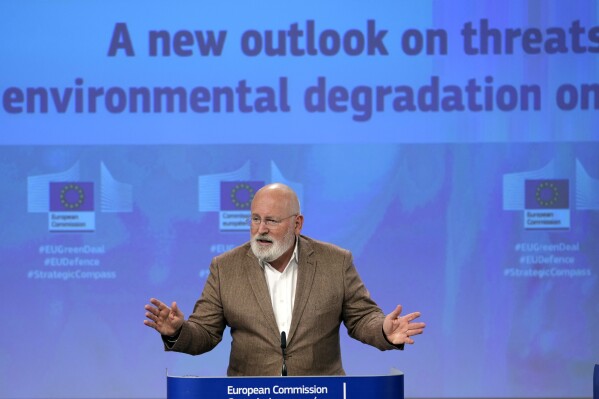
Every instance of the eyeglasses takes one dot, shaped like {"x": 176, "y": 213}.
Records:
{"x": 270, "y": 222}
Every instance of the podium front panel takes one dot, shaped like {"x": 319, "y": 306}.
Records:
{"x": 335, "y": 387}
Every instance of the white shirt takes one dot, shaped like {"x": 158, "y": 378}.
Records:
{"x": 281, "y": 287}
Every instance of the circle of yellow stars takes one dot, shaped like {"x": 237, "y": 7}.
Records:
{"x": 239, "y": 187}
{"x": 63, "y": 196}
{"x": 554, "y": 197}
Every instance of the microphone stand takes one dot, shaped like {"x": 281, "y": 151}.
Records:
{"x": 283, "y": 347}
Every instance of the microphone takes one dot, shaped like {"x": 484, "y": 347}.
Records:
{"x": 283, "y": 347}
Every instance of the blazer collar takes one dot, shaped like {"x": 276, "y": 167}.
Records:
{"x": 305, "y": 277}
{"x": 255, "y": 276}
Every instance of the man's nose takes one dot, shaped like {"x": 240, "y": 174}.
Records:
{"x": 262, "y": 227}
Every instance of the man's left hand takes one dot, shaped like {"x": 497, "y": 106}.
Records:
{"x": 398, "y": 329}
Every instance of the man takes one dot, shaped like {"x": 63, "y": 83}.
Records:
{"x": 278, "y": 282}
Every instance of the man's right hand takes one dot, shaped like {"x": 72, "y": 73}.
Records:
{"x": 167, "y": 321}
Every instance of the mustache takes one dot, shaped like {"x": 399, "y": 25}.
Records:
{"x": 263, "y": 237}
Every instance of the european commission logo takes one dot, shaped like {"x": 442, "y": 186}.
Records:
{"x": 235, "y": 203}
{"x": 71, "y": 207}
{"x": 547, "y": 204}
{"x": 230, "y": 194}
{"x": 547, "y": 196}
{"x": 70, "y": 202}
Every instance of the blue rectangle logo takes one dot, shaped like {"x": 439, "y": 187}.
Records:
{"x": 547, "y": 194}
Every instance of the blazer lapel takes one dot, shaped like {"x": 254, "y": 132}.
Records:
{"x": 255, "y": 276}
{"x": 305, "y": 276}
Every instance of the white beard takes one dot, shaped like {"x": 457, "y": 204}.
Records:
{"x": 277, "y": 248}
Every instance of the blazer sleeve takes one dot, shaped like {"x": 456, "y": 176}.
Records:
{"x": 361, "y": 315}
{"x": 203, "y": 330}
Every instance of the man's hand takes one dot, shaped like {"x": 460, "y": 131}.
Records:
{"x": 167, "y": 321}
{"x": 398, "y": 330}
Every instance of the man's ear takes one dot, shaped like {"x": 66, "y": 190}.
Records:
{"x": 299, "y": 223}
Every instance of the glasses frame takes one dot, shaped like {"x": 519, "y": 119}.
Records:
{"x": 268, "y": 221}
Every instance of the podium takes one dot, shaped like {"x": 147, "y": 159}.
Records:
{"x": 334, "y": 387}
{"x": 596, "y": 382}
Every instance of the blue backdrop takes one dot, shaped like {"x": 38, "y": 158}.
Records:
{"x": 452, "y": 147}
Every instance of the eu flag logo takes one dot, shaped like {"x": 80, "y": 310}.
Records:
{"x": 238, "y": 195}
{"x": 71, "y": 207}
{"x": 547, "y": 194}
{"x": 71, "y": 197}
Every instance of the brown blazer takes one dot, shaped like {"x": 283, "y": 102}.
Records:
{"x": 329, "y": 291}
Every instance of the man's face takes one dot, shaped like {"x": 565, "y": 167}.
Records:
{"x": 270, "y": 242}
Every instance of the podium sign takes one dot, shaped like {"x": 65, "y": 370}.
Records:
{"x": 335, "y": 387}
